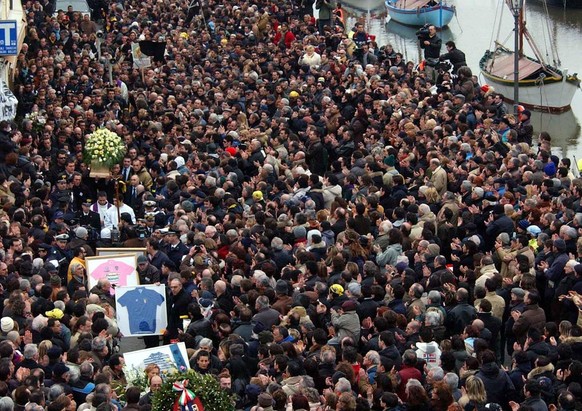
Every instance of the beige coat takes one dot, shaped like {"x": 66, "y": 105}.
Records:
{"x": 497, "y": 304}
{"x": 439, "y": 180}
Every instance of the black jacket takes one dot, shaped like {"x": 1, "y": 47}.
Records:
{"x": 459, "y": 317}
{"x": 433, "y": 50}
{"x": 456, "y": 57}
{"x": 498, "y": 385}
{"x": 175, "y": 253}
{"x": 177, "y": 307}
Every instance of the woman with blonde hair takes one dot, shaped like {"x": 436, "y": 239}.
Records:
{"x": 474, "y": 395}
{"x": 43, "y": 348}
{"x": 151, "y": 370}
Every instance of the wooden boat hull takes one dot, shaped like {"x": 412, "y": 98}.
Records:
{"x": 551, "y": 92}
{"x": 439, "y": 15}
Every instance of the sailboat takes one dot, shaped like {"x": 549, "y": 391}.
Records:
{"x": 420, "y": 12}
{"x": 542, "y": 86}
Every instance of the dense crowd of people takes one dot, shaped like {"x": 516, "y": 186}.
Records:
{"x": 343, "y": 229}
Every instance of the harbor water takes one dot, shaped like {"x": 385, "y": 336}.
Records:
{"x": 557, "y": 32}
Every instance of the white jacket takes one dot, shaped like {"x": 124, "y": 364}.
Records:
{"x": 429, "y": 352}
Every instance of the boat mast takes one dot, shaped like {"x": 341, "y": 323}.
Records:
{"x": 521, "y": 29}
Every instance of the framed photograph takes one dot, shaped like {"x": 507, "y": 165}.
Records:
{"x": 119, "y": 269}
{"x": 169, "y": 358}
{"x": 141, "y": 310}
{"x": 114, "y": 251}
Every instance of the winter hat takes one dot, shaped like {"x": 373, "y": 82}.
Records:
{"x": 560, "y": 244}
{"x": 265, "y": 400}
{"x": 524, "y": 224}
{"x": 6, "y": 324}
{"x": 550, "y": 169}
{"x": 518, "y": 292}
{"x": 349, "y": 305}
{"x": 106, "y": 233}
{"x": 534, "y": 230}
{"x": 299, "y": 232}
{"x": 81, "y": 232}
{"x": 281, "y": 287}
{"x": 55, "y": 281}
{"x": 355, "y": 289}
{"x": 390, "y": 160}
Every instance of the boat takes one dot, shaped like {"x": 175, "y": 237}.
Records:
{"x": 542, "y": 86}
{"x": 420, "y": 12}
{"x": 408, "y": 32}
{"x": 363, "y": 6}
{"x": 566, "y": 4}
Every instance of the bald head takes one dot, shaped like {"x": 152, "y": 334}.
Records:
{"x": 479, "y": 324}
{"x": 220, "y": 287}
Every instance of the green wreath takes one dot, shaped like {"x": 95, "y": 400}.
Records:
{"x": 205, "y": 387}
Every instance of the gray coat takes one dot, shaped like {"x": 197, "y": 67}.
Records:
{"x": 346, "y": 324}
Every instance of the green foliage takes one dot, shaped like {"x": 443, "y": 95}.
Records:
{"x": 205, "y": 387}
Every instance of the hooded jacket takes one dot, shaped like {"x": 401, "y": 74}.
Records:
{"x": 389, "y": 255}
{"x": 429, "y": 352}
{"x": 498, "y": 385}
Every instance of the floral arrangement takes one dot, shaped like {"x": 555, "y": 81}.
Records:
{"x": 104, "y": 147}
{"x": 38, "y": 120}
{"x": 135, "y": 378}
{"x": 190, "y": 390}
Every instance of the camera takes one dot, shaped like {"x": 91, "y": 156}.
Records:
{"x": 423, "y": 34}
{"x": 100, "y": 34}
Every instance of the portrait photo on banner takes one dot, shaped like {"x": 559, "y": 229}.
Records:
{"x": 141, "y": 310}
{"x": 119, "y": 269}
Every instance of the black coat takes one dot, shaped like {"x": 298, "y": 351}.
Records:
{"x": 175, "y": 253}
{"x": 498, "y": 385}
{"x": 456, "y": 57}
{"x": 315, "y": 158}
{"x": 92, "y": 219}
{"x": 367, "y": 308}
{"x": 459, "y": 317}
{"x": 433, "y": 50}
{"x": 177, "y": 307}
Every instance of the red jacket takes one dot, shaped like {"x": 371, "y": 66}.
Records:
{"x": 406, "y": 373}
{"x": 289, "y": 38}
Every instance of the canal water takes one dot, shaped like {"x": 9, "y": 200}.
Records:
{"x": 474, "y": 30}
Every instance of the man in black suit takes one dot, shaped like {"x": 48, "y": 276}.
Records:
{"x": 177, "y": 307}
{"x": 126, "y": 170}
{"x": 175, "y": 249}
{"x": 132, "y": 193}
{"x": 87, "y": 217}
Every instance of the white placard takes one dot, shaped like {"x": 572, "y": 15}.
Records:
{"x": 169, "y": 358}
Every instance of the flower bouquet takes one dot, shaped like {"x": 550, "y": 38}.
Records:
{"x": 38, "y": 120}
{"x": 191, "y": 391}
{"x": 103, "y": 149}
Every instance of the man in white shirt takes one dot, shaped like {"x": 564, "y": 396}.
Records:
{"x": 112, "y": 215}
